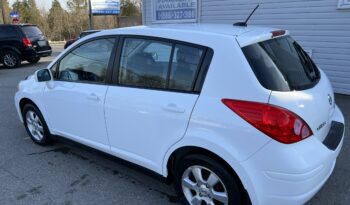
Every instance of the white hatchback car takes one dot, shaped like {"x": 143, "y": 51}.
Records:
{"x": 229, "y": 114}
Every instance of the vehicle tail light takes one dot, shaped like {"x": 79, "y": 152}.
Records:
{"x": 278, "y": 123}
{"x": 278, "y": 33}
{"x": 27, "y": 42}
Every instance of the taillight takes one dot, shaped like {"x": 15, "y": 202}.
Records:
{"x": 27, "y": 42}
{"x": 278, "y": 33}
{"x": 276, "y": 122}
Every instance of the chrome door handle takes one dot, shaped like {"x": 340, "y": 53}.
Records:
{"x": 171, "y": 107}
{"x": 93, "y": 97}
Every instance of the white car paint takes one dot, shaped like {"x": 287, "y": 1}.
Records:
{"x": 146, "y": 126}
{"x": 78, "y": 101}
{"x": 154, "y": 119}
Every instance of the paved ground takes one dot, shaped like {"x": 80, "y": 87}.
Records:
{"x": 72, "y": 174}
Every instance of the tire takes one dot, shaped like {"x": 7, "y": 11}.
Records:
{"x": 215, "y": 178}
{"x": 35, "y": 125}
{"x": 34, "y": 60}
{"x": 10, "y": 59}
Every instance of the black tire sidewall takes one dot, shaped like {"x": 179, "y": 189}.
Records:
{"x": 18, "y": 60}
{"x": 234, "y": 192}
{"x": 46, "y": 138}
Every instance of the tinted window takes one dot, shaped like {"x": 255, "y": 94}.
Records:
{"x": 282, "y": 65}
{"x": 31, "y": 31}
{"x": 88, "y": 62}
{"x": 7, "y": 31}
{"x": 185, "y": 65}
{"x": 144, "y": 63}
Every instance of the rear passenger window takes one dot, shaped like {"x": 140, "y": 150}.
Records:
{"x": 157, "y": 64}
{"x": 144, "y": 63}
{"x": 7, "y": 32}
{"x": 184, "y": 67}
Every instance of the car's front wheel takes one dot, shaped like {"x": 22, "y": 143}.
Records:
{"x": 200, "y": 180}
{"x": 10, "y": 59}
{"x": 35, "y": 125}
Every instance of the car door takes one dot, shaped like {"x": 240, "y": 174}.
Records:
{"x": 74, "y": 101}
{"x": 148, "y": 109}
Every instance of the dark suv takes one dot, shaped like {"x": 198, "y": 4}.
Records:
{"x": 22, "y": 42}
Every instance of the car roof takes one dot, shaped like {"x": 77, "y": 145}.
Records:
{"x": 18, "y": 25}
{"x": 198, "y": 33}
{"x": 212, "y": 29}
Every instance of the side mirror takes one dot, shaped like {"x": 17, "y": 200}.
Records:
{"x": 43, "y": 75}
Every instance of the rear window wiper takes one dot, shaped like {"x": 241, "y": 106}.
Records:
{"x": 307, "y": 63}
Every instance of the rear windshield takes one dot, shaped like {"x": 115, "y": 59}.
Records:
{"x": 32, "y": 31}
{"x": 281, "y": 64}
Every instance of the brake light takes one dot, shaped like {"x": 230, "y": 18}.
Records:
{"x": 27, "y": 42}
{"x": 278, "y": 123}
{"x": 278, "y": 33}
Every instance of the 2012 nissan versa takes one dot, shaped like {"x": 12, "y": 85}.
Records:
{"x": 227, "y": 113}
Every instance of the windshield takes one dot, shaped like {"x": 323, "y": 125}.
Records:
{"x": 32, "y": 31}
{"x": 281, "y": 64}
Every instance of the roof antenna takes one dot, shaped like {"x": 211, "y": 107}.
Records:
{"x": 246, "y": 21}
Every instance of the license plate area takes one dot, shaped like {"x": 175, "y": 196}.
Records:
{"x": 334, "y": 136}
{"x": 42, "y": 43}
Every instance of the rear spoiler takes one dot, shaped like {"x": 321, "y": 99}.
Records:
{"x": 255, "y": 36}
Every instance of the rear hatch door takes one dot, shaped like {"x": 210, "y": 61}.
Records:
{"x": 282, "y": 66}
{"x": 315, "y": 105}
{"x": 37, "y": 38}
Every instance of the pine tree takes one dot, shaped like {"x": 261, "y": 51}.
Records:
{"x": 129, "y": 8}
{"x": 28, "y": 12}
{"x": 56, "y": 20}
{"x": 78, "y": 15}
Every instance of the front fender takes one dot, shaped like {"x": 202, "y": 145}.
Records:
{"x": 32, "y": 90}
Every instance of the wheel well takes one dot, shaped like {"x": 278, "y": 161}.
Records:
{"x": 25, "y": 101}
{"x": 177, "y": 155}
{"x": 4, "y": 49}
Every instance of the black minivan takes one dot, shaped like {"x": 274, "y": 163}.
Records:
{"x": 23, "y": 42}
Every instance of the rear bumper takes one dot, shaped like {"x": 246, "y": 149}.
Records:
{"x": 291, "y": 174}
{"x": 32, "y": 53}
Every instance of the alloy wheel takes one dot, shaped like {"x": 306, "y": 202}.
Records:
{"x": 35, "y": 125}
{"x": 10, "y": 60}
{"x": 202, "y": 186}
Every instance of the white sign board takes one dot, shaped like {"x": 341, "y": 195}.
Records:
{"x": 105, "y": 7}
{"x": 165, "y": 11}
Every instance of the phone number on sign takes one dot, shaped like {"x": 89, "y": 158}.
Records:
{"x": 176, "y": 14}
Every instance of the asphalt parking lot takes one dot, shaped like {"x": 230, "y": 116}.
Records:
{"x": 67, "y": 173}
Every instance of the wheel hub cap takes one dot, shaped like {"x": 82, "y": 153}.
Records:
{"x": 202, "y": 186}
{"x": 34, "y": 125}
{"x": 9, "y": 60}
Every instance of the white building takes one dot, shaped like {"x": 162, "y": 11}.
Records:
{"x": 322, "y": 27}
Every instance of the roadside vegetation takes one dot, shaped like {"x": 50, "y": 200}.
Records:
{"x": 62, "y": 22}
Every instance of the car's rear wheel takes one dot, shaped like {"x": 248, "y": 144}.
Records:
{"x": 35, "y": 125}
{"x": 34, "y": 60}
{"x": 10, "y": 59}
{"x": 200, "y": 180}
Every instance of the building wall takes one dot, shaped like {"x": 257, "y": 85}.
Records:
{"x": 316, "y": 24}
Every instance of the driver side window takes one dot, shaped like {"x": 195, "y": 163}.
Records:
{"x": 88, "y": 62}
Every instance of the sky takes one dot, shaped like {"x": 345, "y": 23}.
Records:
{"x": 46, "y": 4}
